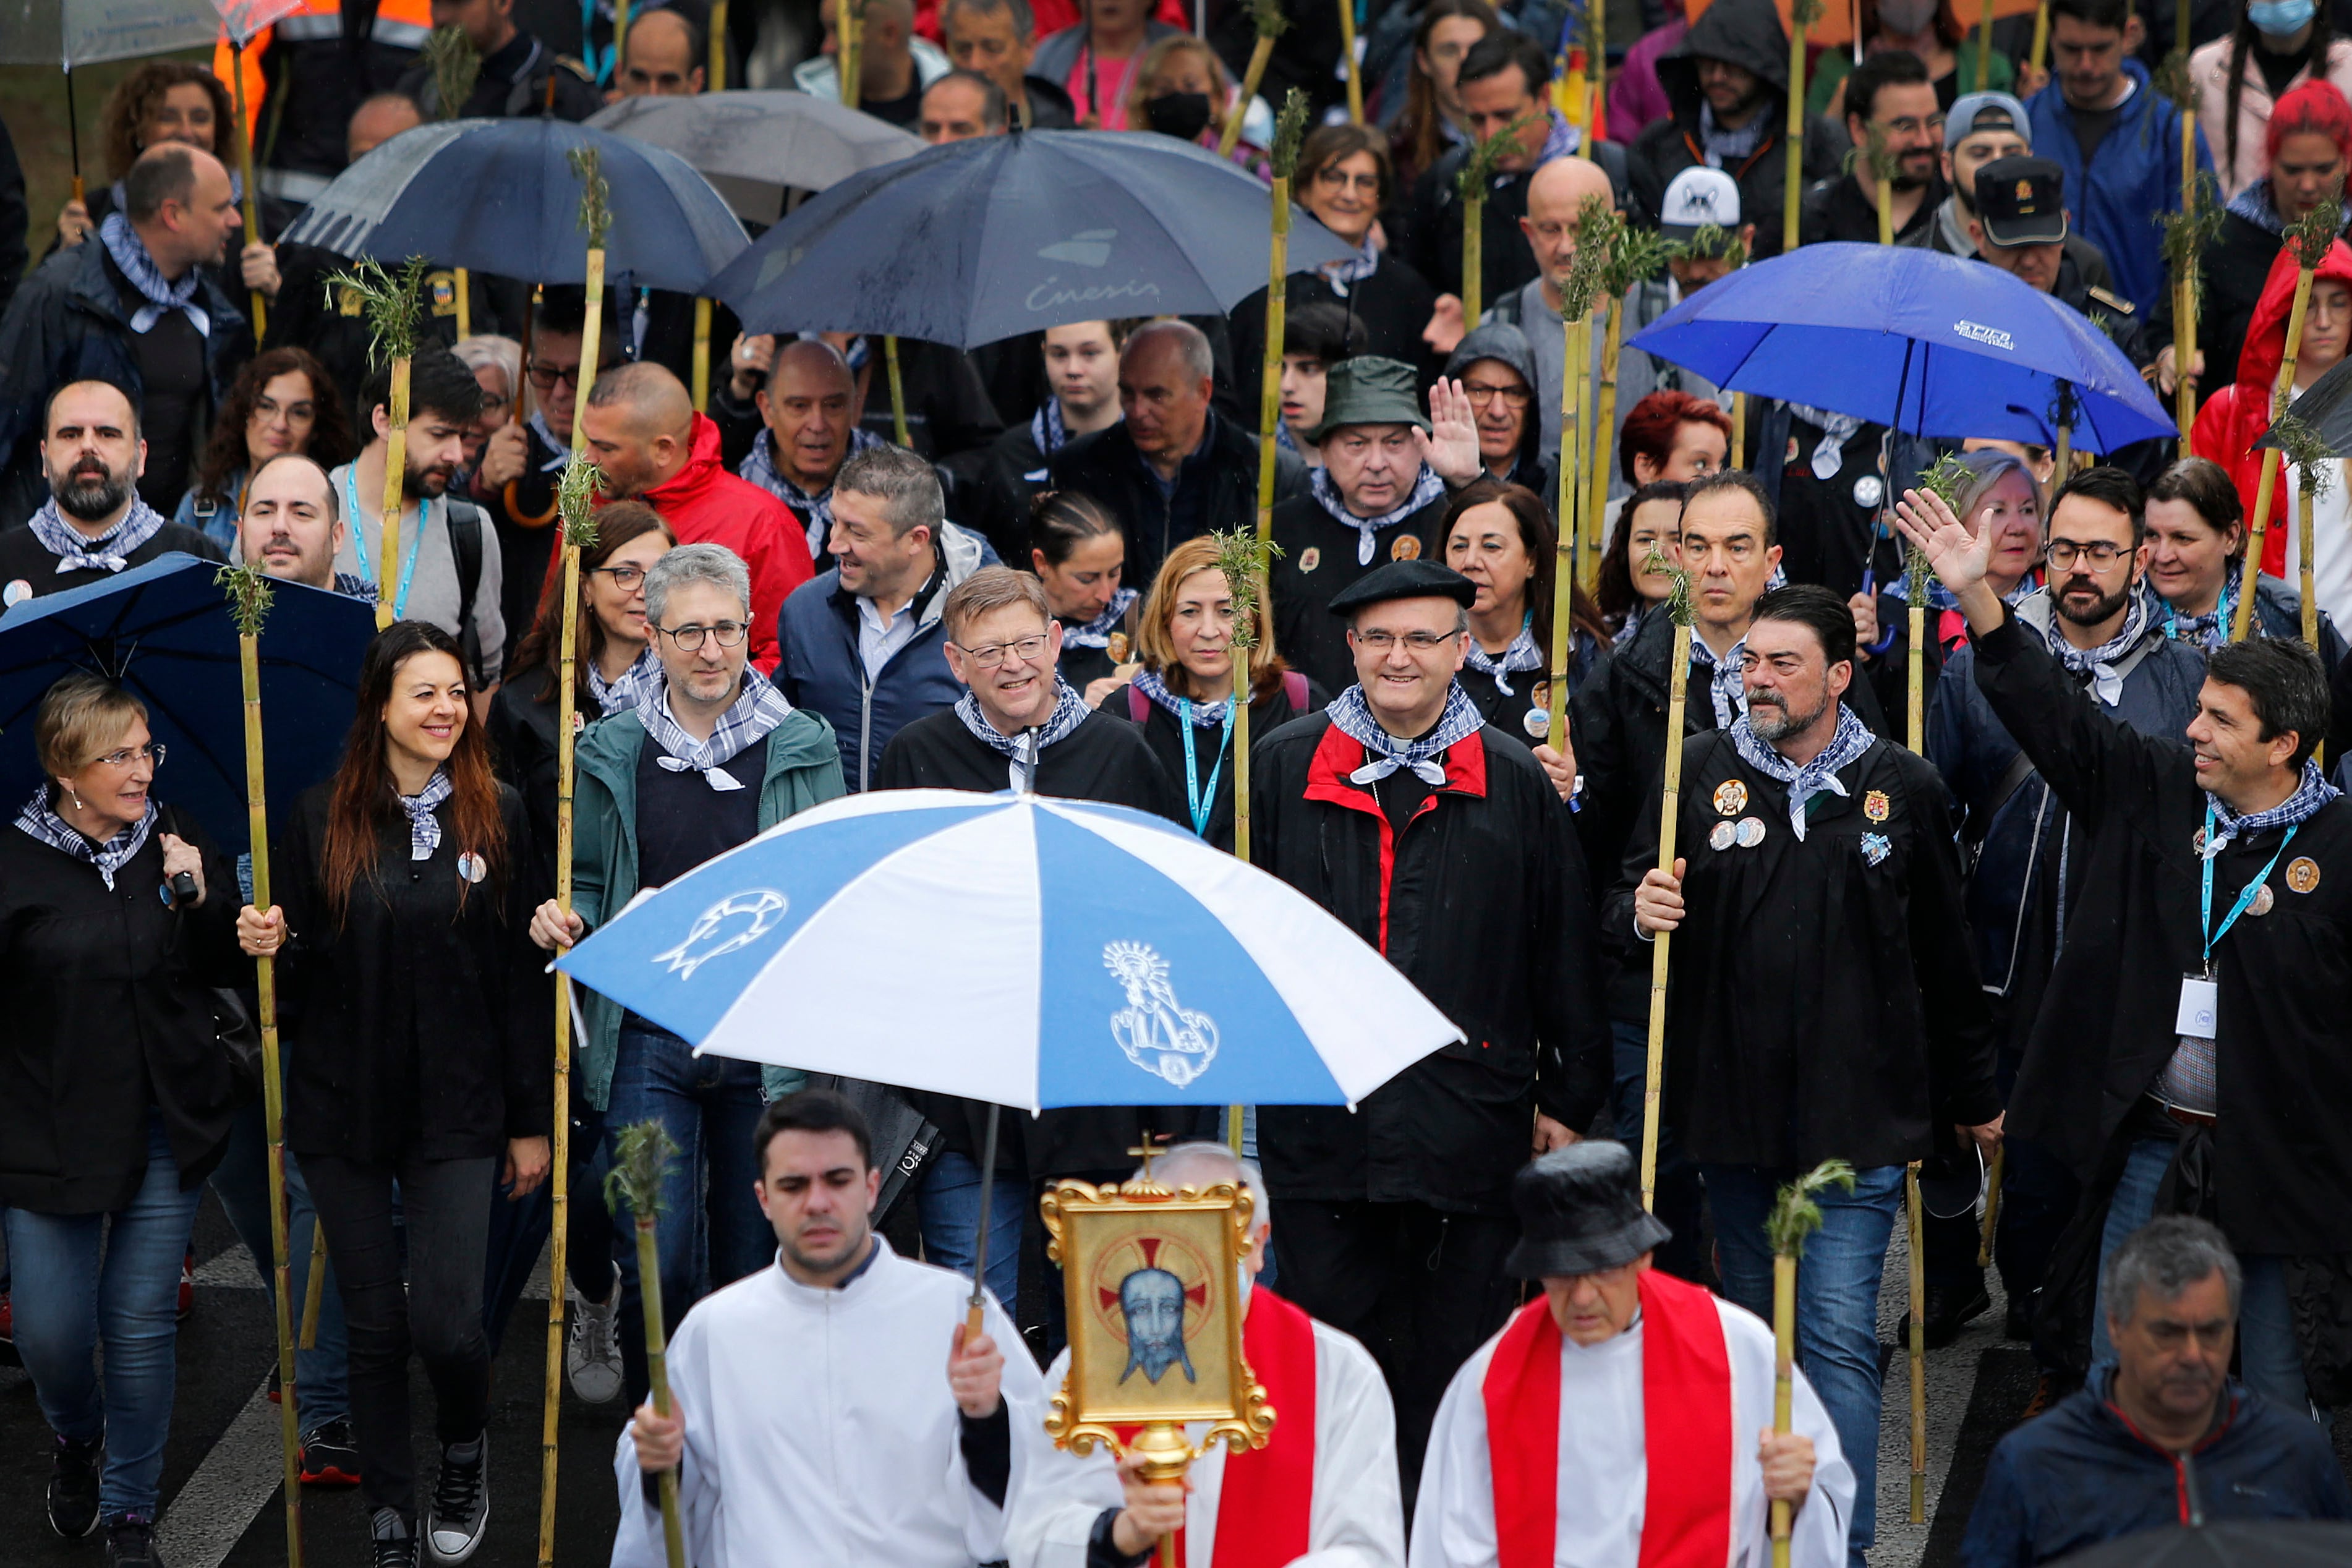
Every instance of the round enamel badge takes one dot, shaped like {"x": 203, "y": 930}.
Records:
{"x": 1406, "y": 548}
{"x": 2302, "y": 874}
{"x": 1723, "y": 837}
{"x": 1730, "y": 797}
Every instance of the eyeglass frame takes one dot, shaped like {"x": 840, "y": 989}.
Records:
{"x": 990, "y": 655}
{"x": 1382, "y": 641}
{"x": 2085, "y": 553}
{"x": 679, "y": 634}
{"x": 152, "y": 753}
{"x": 639, "y": 576}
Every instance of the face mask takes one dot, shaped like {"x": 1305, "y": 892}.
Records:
{"x": 2280, "y": 18}
{"x": 1185, "y": 115}
{"x": 1908, "y": 18}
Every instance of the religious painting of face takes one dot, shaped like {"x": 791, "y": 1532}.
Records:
{"x": 1154, "y": 1329}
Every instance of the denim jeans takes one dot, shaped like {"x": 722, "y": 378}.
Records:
{"x": 1678, "y": 1199}
{"x": 1837, "y": 1301}
{"x": 948, "y": 1206}
{"x": 710, "y": 1231}
{"x": 323, "y": 1389}
{"x": 81, "y": 1282}
{"x": 2269, "y": 1361}
{"x": 520, "y": 1230}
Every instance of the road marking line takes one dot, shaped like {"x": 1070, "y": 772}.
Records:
{"x": 237, "y": 1480}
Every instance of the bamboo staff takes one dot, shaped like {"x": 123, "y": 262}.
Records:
{"x": 1804, "y": 13}
{"x": 1266, "y": 17}
{"x": 1795, "y": 1215}
{"x": 1576, "y": 339}
{"x": 620, "y": 37}
{"x": 1879, "y": 159}
{"x": 898, "y": 389}
{"x": 389, "y": 302}
{"x": 455, "y": 66}
{"x": 718, "y": 74}
{"x": 2300, "y": 446}
{"x": 1945, "y": 477}
{"x": 245, "y": 162}
{"x": 1918, "y": 1346}
{"x": 1678, "y": 605}
{"x": 2188, "y": 231}
{"x": 1348, "y": 57}
{"x": 1244, "y": 558}
{"x": 1739, "y": 429}
{"x": 1290, "y": 126}
{"x": 1470, "y": 183}
{"x": 1628, "y": 255}
{"x": 1984, "y": 49}
{"x": 2040, "y": 54}
{"x": 849, "y": 20}
{"x": 249, "y": 593}
{"x": 641, "y": 1157}
{"x": 2308, "y": 238}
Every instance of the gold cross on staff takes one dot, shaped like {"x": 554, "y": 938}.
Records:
{"x": 1145, "y": 1155}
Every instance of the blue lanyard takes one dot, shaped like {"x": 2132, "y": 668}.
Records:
{"x": 2226, "y": 609}
{"x": 359, "y": 539}
{"x": 2245, "y": 895}
{"x": 1199, "y": 807}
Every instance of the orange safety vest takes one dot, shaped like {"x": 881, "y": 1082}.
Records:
{"x": 401, "y": 24}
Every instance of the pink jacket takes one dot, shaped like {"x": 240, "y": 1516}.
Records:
{"x": 2209, "y": 67}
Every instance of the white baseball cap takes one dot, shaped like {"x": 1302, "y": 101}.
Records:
{"x": 1698, "y": 197}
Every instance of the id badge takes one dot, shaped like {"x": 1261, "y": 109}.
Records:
{"x": 2200, "y": 1004}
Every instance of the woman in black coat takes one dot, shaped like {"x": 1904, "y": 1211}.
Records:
{"x": 1182, "y": 696}
{"x": 1500, "y": 537}
{"x": 115, "y": 1094}
{"x": 421, "y": 1030}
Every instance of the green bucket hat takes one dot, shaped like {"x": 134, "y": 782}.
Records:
{"x": 1369, "y": 390}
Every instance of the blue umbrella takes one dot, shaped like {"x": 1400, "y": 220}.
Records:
{"x": 1928, "y": 343}
{"x": 163, "y": 632}
{"x": 971, "y": 242}
{"x": 499, "y": 195}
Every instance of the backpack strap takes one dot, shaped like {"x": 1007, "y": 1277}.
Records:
{"x": 1293, "y": 691}
{"x": 466, "y": 546}
{"x": 1138, "y": 706}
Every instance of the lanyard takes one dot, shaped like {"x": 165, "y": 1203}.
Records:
{"x": 2245, "y": 895}
{"x": 359, "y": 539}
{"x": 1192, "y": 798}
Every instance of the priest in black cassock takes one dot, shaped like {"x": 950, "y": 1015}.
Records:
{"x": 1444, "y": 842}
{"x": 1824, "y": 1000}
{"x": 1018, "y": 726}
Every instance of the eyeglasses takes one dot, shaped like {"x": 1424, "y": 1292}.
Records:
{"x": 544, "y": 376}
{"x": 627, "y": 578}
{"x": 1024, "y": 651}
{"x": 2101, "y": 555}
{"x": 152, "y": 755}
{"x": 1331, "y": 175}
{"x": 689, "y": 637}
{"x": 1512, "y": 396}
{"x": 1415, "y": 642}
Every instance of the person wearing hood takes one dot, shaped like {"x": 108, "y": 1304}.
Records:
{"x": 641, "y": 427}
{"x": 1729, "y": 83}
{"x": 1496, "y": 371}
{"x": 2115, "y": 137}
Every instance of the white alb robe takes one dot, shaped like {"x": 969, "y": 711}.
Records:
{"x": 820, "y": 1428}
{"x": 1354, "y": 1520}
{"x": 1604, "y": 1471}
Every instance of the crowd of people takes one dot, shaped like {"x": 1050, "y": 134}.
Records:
{"x": 2007, "y": 944}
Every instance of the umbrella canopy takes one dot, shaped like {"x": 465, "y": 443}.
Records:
{"x": 2323, "y": 408}
{"x": 751, "y": 145}
{"x": 2239, "y": 1543}
{"x": 163, "y": 633}
{"x": 499, "y": 195}
{"x": 972, "y": 242}
{"x": 1015, "y": 949}
{"x": 69, "y": 33}
{"x": 1932, "y": 344}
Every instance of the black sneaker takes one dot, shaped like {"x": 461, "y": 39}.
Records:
{"x": 73, "y": 1488}
{"x": 330, "y": 1456}
{"x": 131, "y": 1543}
{"x": 394, "y": 1544}
{"x": 461, "y": 1501}
{"x": 1948, "y": 1307}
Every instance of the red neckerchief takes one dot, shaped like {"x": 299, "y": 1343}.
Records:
{"x": 1685, "y": 1413}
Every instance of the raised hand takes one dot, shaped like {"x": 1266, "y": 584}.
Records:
{"x": 1959, "y": 555}
{"x": 1451, "y": 448}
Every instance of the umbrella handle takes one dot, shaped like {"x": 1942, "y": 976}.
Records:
{"x": 1870, "y": 586}
{"x": 980, "y": 1238}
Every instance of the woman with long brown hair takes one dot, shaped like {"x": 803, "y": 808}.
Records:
{"x": 1430, "y": 124}
{"x": 283, "y": 401}
{"x": 420, "y": 1059}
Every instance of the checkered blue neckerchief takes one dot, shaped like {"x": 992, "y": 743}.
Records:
{"x": 39, "y": 819}
{"x": 1522, "y": 654}
{"x": 2310, "y": 792}
{"x": 110, "y": 551}
{"x": 626, "y": 690}
{"x": 1853, "y": 739}
{"x": 423, "y": 827}
{"x": 1205, "y": 715}
{"x": 1426, "y": 488}
{"x": 758, "y": 709}
{"x": 1357, "y": 267}
{"x": 162, "y": 296}
{"x": 352, "y": 586}
{"x": 1352, "y": 717}
{"x": 2211, "y": 629}
{"x": 760, "y": 469}
{"x": 1045, "y": 427}
{"x": 1097, "y": 631}
{"x": 2099, "y": 663}
{"x": 1069, "y": 712}
{"x": 1724, "y": 146}
{"x": 1725, "y": 683}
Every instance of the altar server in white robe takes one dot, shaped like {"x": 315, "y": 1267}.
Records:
{"x": 1322, "y": 1493}
{"x": 829, "y": 1409}
{"x": 1541, "y": 1456}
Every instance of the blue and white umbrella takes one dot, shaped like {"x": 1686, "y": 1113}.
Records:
{"x": 1016, "y": 949}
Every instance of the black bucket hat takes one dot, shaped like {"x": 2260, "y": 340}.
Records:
{"x": 1581, "y": 1212}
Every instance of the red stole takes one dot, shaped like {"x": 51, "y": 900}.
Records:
{"x": 1267, "y": 1494}
{"x": 1686, "y": 1421}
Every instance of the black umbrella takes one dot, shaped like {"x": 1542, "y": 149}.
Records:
{"x": 2325, "y": 409}
{"x": 2239, "y": 1543}
{"x": 753, "y": 146}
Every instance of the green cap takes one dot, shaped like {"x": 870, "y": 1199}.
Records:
{"x": 1369, "y": 390}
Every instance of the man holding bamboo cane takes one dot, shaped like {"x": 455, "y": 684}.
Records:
{"x": 1826, "y": 1003}
{"x": 1546, "y": 1433}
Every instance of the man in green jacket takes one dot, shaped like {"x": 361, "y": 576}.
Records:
{"x": 711, "y": 756}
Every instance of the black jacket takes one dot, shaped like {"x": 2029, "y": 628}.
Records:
{"x": 1433, "y": 237}
{"x": 111, "y": 1016}
{"x": 1482, "y": 903}
{"x": 1216, "y": 487}
{"x": 1824, "y": 1002}
{"x": 523, "y": 510}
{"x": 1213, "y": 752}
{"x": 2281, "y": 1163}
{"x": 1393, "y": 305}
{"x": 1318, "y": 560}
{"x": 23, "y": 558}
{"x": 13, "y": 221}
{"x": 522, "y": 745}
{"x": 1836, "y": 208}
{"x": 416, "y": 1024}
{"x": 516, "y": 81}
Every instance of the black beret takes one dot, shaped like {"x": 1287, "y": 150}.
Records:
{"x": 1413, "y": 579}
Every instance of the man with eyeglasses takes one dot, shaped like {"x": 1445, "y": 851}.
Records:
{"x": 711, "y": 756}
{"x": 1889, "y": 100}
{"x": 1380, "y": 496}
{"x": 1019, "y": 725}
{"x": 1825, "y": 1001}
{"x": 1496, "y": 371}
{"x": 93, "y": 523}
{"x": 1443, "y": 842}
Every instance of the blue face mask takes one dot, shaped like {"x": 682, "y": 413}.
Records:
{"x": 2280, "y": 18}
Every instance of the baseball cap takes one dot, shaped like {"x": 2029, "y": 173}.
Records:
{"x": 2021, "y": 201}
{"x": 1696, "y": 198}
{"x": 1975, "y": 112}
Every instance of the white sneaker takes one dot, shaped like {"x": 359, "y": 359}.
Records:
{"x": 592, "y": 1347}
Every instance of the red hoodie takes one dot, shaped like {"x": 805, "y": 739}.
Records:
{"x": 2230, "y": 423}
{"x": 705, "y": 504}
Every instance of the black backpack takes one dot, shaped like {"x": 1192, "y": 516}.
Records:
{"x": 465, "y": 544}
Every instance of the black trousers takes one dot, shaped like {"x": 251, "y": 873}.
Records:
{"x": 444, "y": 1209}
{"x": 1420, "y": 1288}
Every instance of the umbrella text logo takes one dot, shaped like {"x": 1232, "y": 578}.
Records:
{"x": 1158, "y": 1034}
{"x": 728, "y": 926}
{"x": 1991, "y": 337}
